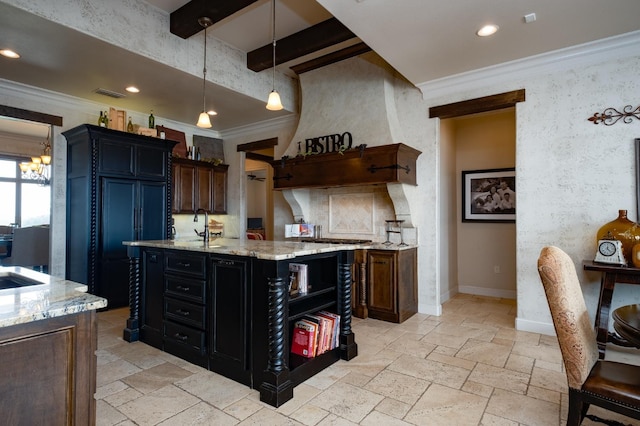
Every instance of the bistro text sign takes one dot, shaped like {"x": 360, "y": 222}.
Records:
{"x": 329, "y": 143}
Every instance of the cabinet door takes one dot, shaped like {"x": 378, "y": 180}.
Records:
{"x": 220, "y": 190}
{"x": 115, "y": 157}
{"x": 152, "y": 297}
{"x": 204, "y": 181}
{"x": 152, "y": 211}
{"x": 381, "y": 285}
{"x": 151, "y": 162}
{"x": 228, "y": 347}
{"x": 185, "y": 188}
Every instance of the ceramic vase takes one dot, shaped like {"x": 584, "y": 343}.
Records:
{"x": 623, "y": 229}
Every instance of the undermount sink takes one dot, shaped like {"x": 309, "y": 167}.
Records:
{"x": 12, "y": 280}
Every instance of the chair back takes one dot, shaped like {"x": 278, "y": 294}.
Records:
{"x": 30, "y": 247}
{"x": 574, "y": 328}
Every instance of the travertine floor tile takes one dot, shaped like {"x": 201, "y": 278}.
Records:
{"x": 491, "y": 420}
{"x": 333, "y": 420}
{"x": 302, "y": 395}
{"x": 393, "y": 408}
{"x": 347, "y": 401}
{"x": 500, "y": 378}
{"x": 433, "y": 371}
{"x": 201, "y": 414}
{"x": 441, "y": 405}
{"x": 547, "y": 379}
{"x": 214, "y": 389}
{"x": 309, "y": 414}
{"x": 159, "y": 405}
{"x": 523, "y": 409}
{"x": 122, "y": 397}
{"x": 267, "y": 417}
{"x": 243, "y": 408}
{"x": 523, "y": 364}
{"x": 115, "y": 370}
{"x": 397, "y": 386}
{"x": 485, "y": 352}
{"x": 106, "y": 415}
{"x": 376, "y": 418}
{"x": 156, "y": 377}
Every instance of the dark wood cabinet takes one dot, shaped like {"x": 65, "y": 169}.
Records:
{"x": 233, "y": 314}
{"x": 229, "y": 319}
{"x": 199, "y": 185}
{"x": 49, "y": 371}
{"x": 117, "y": 190}
{"x": 185, "y": 306}
{"x": 391, "y": 284}
{"x": 151, "y": 321}
{"x": 394, "y": 163}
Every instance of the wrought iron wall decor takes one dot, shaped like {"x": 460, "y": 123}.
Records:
{"x": 611, "y": 116}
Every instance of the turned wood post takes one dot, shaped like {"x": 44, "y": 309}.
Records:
{"x": 348, "y": 346}
{"x": 131, "y": 332}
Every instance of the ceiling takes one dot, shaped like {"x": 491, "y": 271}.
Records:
{"x": 424, "y": 40}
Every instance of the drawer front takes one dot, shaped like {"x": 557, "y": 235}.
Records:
{"x": 183, "y": 335}
{"x": 193, "y": 290}
{"x": 184, "y": 312}
{"x": 184, "y": 264}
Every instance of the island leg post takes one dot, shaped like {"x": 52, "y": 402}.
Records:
{"x": 348, "y": 345}
{"x": 276, "y": 389}
{"x": 131, "y": 332}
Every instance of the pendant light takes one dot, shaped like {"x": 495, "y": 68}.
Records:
{"x": 203, "y": 119}
{"x": 274, "y": 103}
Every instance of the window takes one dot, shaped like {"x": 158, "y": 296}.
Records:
{"x": 25, "y": 202}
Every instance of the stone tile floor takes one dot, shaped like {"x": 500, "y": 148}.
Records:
{"x": 466, "y": 367}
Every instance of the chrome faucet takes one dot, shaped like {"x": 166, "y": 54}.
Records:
{"x": 204, "y": 234}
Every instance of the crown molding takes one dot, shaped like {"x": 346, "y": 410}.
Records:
{"x": 261, "y": 126}
{"x": 581, "y": 55}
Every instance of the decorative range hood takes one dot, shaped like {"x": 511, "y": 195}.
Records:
{"x": 383, "y": 164}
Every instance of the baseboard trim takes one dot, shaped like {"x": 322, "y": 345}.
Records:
{"x": 490, "y": 292}
{"x": 535, "y": 327}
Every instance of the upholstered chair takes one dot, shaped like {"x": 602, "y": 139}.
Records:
{"x": 30, "y": 248}
{"x": 611, "y": 385}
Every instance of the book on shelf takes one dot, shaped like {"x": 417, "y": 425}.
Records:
{"x": 298, "y": 279}
{"x": 304, "y": 342}
{"x": 324, "y": 332}
{"x": 335, "y": 332}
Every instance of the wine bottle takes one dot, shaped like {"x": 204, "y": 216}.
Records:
{"x": 101, "y": 120}
{"x": 105, "y": 119}
{"x": 130, "y": 126}
{"x": 152, "y": 121}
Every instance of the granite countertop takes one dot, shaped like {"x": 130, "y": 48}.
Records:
{"x": 54, "y": 297}
{"x": 261, "y": 249}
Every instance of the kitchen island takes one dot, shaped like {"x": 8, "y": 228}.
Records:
{"x": 226, "y": 305}
{"x": 48, "y": 339}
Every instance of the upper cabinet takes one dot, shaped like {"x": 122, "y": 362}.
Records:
{"x": 359, "y": 166}
{"x": 199, "y": 185}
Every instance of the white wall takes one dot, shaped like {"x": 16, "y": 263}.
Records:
{"x": 573, "y": 176}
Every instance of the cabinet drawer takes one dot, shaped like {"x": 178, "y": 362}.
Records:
{"x": 185, "y": 264}
{"x": 193, "y": 290}
{"x": 181, "y": 334}
{"x": 184, "y": 312}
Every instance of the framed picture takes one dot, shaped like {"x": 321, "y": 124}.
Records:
{"x": 489, "y": 195}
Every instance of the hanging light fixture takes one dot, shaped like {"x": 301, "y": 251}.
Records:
{"x": 204, "y": 120}
{"x": 38, "y": 168}
{"x": 274, "y": 103}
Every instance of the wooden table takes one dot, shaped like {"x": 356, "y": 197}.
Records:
{"x": 611, "y": 274}
{"x": 626, "y": 322}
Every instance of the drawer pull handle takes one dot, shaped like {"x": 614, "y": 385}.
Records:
{"x": 181, "y": 288}
{"x": 181, "y": 337}
{"x": 186, "y": 265}
{"x": 380, "y": 262}
{"x": 183, "y": 313}
{"x": 225, "y": 262}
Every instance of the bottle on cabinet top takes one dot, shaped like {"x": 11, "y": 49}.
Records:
{"x": 101, "y": 120}
{"x": 152, "y": 121}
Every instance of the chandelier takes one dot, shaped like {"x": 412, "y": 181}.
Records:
{"x": 38, "y": 168}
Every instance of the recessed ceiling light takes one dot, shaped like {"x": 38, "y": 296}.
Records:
{"x": 9, "y": 53}
{"x": 212, "y": 112}
{"x": 487, "y": 30}
{"x": 132, "y": 89}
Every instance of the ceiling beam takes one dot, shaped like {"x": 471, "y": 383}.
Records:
{"x": 333, "y": 57}
{"x": 312, "y": 39}
{"x": 183, "y": 22}
{"x": 477, "y": 105}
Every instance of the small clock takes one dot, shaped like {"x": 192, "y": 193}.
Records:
{"x": 610, "y": 251}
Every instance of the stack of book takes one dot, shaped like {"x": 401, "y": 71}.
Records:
{"x": 315, "y": 334}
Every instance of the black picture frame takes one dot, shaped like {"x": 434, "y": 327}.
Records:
{"x": 481, "y": 203}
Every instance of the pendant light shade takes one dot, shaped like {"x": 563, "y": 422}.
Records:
{"x": 203, "y": 120}
{"x": 274, "y": 103}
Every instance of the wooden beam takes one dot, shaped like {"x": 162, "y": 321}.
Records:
{"x": 340, "y": 55}
{"x": 183, "y": 22}
{"x": 319, "y": 36}
{"x": 23, "y": 114}
{"x": 257, "y": 145}
{"x": 474, "y": 106}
